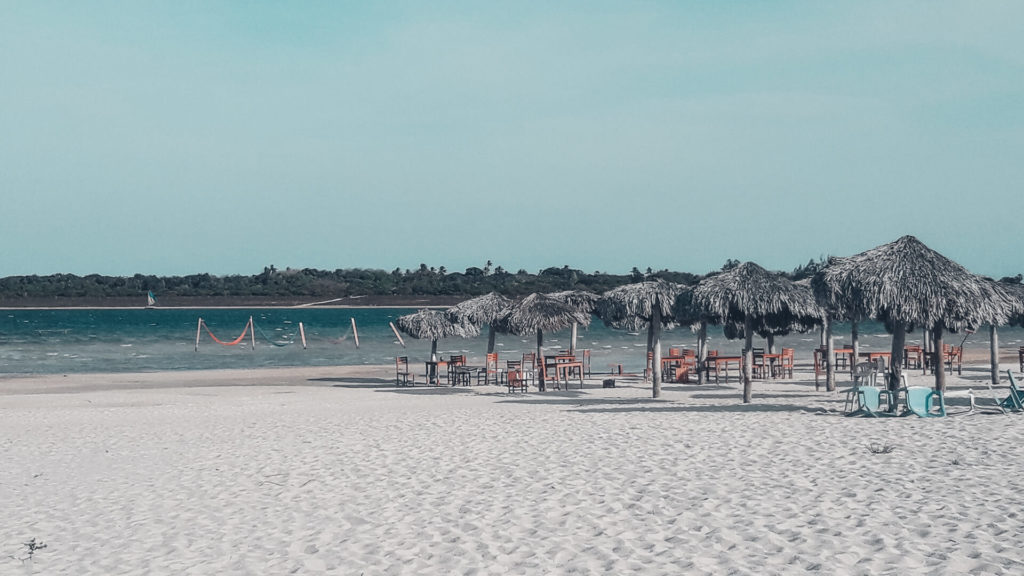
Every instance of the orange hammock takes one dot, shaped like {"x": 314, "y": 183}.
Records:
{"x": 221, "y": 342}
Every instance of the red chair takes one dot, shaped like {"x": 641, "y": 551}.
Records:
{"x": 516, "y": 381}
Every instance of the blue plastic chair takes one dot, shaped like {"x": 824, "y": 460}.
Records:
{"x": 920, "y": 400}
{"x": 1015, "y": 401}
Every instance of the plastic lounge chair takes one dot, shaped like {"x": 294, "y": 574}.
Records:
{"x": 869, "y": 401}
{"x": 1015, "y": 401}
{"x": 920, "y": 401}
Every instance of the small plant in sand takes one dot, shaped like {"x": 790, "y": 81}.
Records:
{"x": 957, "y": 461}
{"x": 31, "y": 547}
{"x": 876, "y": 448}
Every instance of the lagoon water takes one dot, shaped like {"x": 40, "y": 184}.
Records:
{"x": 65, "y": 341}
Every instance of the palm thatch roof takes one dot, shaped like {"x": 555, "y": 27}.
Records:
{"x": 632, "y": 306}
{"x": 428, "y": 324}
{"x": 1016, "y": 291}
{"x": 907, "y": 283}
{"x": 482, "y": 309}
{"x": 749, "y": 290}
{"x": 581, "y": 300}
{"x": 540, "y": 312}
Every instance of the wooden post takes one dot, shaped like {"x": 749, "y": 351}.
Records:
{"x": 702, "y": 352}
{"x": 899, "y": 339}
{"x": 940, "y": 368}
{"x": 748, "y": 359}
{"x": 355, "y": 333}
{"x": 432, "y": 375}
{"x": 302, "y": 334}
{"x": 490, "y": 339}
{"x": 572, "y": 339}
{"x": 656, "y": 359}
{"x": 393, "y": 329}
{"x": 539, "y": 362}
{"x": 830, "y": 357}
{"x": 199, "y": 329}
{"x": 993, "y": 339}
{"x": 771, "y": 343}
{"x": 855, "y": 345}
{"x": 252, "y": 333}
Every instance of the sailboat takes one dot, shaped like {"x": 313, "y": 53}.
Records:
{"x": 150, "y": 300}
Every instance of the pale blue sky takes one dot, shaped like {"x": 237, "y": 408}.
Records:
{"x": 184, "y": 137}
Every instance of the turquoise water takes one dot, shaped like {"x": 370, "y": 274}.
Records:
{"x": 104, "y": 340}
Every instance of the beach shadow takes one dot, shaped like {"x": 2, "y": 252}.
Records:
{"x": 735, "y": 408}
{"x": 428, "y": 390}
{"x": 346, "y": 382}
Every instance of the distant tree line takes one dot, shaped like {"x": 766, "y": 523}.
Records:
{"x": 312, "y": 283}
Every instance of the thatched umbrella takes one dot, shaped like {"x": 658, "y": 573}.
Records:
{"x": 1015, "y": 292}
{"x": 538, "y": 313}
{"x": 482, "y": 310}
{"x": 644, "y": 303}
{"x": 906, "y": 284}
{"x": 582, "y": 301}
{"x": 752, "y": 295}
{"x": 435, "y": 325}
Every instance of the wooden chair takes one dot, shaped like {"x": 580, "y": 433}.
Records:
{"x": 913, "y": 357}
{"x": 758, "y": 369}
{"x": 489, "y": 372}
{"x": 953, "y": 356}
{"x": 403, "y": 377}
{"x": 513, "y": 366}
{"x": 784, "y": 369}
{"x": 529, "y": 367}
{"x": 586, "y": 361}
{"x": 516, "y": 381}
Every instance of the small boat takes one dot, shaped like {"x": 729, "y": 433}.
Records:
{"x": 150, "y": 300}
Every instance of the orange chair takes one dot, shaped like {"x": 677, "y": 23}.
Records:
{"x": 489, "y": 372}
{"x": 785, "y": 367}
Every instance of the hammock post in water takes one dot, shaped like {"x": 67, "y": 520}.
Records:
{"x": 199, "y": 329}
{"x": 302, "y": 334}
{"x": 395, "y": 330}
{"x": 252, "y": 332}
{"x": 355, "y": 333}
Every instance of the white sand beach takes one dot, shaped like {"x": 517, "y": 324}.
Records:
{"x": 336, "y": 471}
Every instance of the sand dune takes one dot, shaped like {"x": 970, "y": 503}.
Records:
{"x": 332, "y": 470}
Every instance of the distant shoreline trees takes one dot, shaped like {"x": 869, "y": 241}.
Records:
{"x": 340, "y": 283}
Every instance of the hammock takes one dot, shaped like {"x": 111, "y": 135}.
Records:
{"x": 248, "y": 325}
{"x": 223, "y": 343}
{"x": 288, "y": 340}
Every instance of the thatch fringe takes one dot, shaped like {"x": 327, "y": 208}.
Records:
{"x": 428, "y": 324}
{"x": 632, "y": 306}
{"x": 905, "y": 282}
{"x": 540, "y": 312}
{"x": 750, "y": 290}
{"x": 482, "y": 309}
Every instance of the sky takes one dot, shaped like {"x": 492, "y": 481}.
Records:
{"x": 175, "y": 138}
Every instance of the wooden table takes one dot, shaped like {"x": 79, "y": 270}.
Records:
{"x": 768, "y": 360}
{"x": 432, "y": 366}
{"x": 819, "y": 357}
{"x": 562, "y": 366}
{"x": 713, "y": 362}
{"x": 682, "y": 362}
